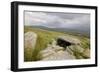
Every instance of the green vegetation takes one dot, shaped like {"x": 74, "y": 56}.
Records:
{"x": 44, "y": 38}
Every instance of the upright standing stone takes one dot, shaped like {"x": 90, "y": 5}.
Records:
{"x": 30, "y": 39}
{"x": 29, "y": 45}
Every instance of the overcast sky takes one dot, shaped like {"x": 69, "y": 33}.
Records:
{"x": 57, "y": 20}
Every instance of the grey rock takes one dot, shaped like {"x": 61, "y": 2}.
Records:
{"x": 30, "y": 39}
{"x": 29, "y": 44}
{"x": 55, "y": 53}
{"x": 70, "y": 39}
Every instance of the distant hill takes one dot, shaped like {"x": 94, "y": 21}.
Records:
{"x": 79, "y": 31}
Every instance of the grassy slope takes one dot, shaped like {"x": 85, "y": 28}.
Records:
{"x": 45, "y": 37}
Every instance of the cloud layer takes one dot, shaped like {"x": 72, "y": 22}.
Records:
{"x": 57, "y": 20}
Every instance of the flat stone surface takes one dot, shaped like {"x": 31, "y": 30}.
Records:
{"x": 70, "y": 39}
{"x": 55, "y": 54}
{"x": 61, "y": 55}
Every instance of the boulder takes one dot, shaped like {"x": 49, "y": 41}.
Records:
{"x": 29, "y": 44}
{"x": 70, "y": 39}
{"x": 30, "y": 39}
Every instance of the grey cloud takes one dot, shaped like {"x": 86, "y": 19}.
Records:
{"x": 57, "y": 20}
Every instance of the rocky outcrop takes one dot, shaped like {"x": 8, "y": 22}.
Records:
{"x": 55, "y": 53}
{"x": 50, "y": 50}
{"x": 60, "y": 55}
